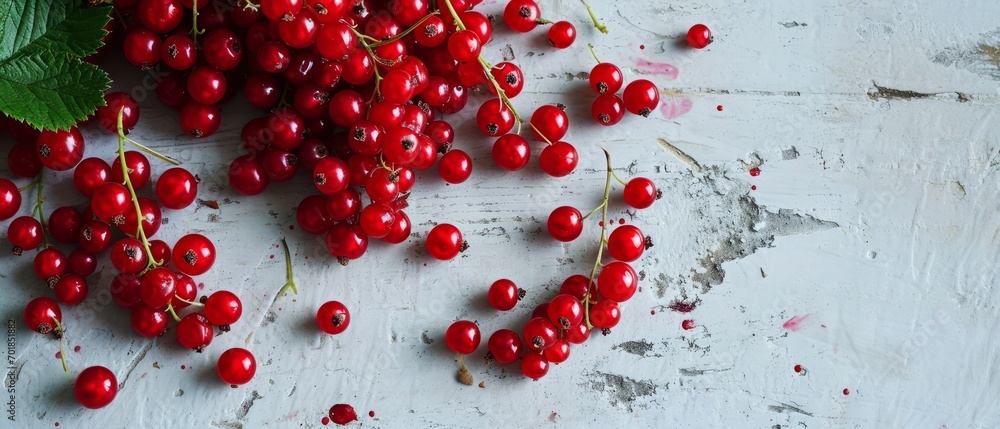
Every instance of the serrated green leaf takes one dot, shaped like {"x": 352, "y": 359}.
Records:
{"x": 59, "y": 26}
{"x": 50, "y": 93}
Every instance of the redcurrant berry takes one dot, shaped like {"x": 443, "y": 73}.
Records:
{"x": 333, "y": 317}
{"x": 444, "y": 242}
{"x": 462, "y": 337}
{"x": 95, "y": 387}
{"x": 236, "y": 366}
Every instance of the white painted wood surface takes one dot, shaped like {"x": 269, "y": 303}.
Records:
{"x": 875, "y": 218}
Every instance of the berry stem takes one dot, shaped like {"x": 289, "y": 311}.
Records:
{"x": 289, "y": 278}
{"x": 619, "y": 179}
{"x": 140, "y": 232}
{"x": 62, "y": 356}
{"x": 251, "y": 5}
{"x": 39, "y": 200}
{"x": 592, "y": 53}
{"x": 156, "y": 154}
{"x": 170, "y": 309}
{"x": 194, "y": 23}
{"x": 405, "y": 32}
{"x": 35, "y": 181}
{"x": 194, "y": 303}
{"x": 597, "y": 23}
{"x": 371, "y": 53}
{"x": 604, "y": 230}
{"x": 540, "y": 133}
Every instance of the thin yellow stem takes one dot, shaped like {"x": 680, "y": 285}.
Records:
{"x": 404, "y": 33}
{"x": 597, "y": 24}
{"x": 140, "y": 232}
{"x": 170, "y": 309}
{"x": 604, "y": 230}
{"x": 289, "y": 278}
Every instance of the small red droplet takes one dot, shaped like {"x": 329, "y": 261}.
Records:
{"x": 642, "y": 46}
{"x": 687, "y": 324}
{"x": 798, "y": 368}
{"x": 201, "y": 285}
{"x": 371, "y": 413}
{"x": 755, "y": 171}
{"x": 342, "y": 414}
{"x": 277, "y": 246}
{"x": 291, "y": 226}
{"x": 57, "y": 423}
{"x": 652, "y": 312}
{"x": 325, "y": 421}
{"x": 847, "y": 392}
{"x": 719, "y": 107}
{"x": 76, "y": 349}
{"x": 58, "y": 355}
{"x": 183, "y": 367}
{"x": 272, "y": 256}
{"x": 753, "y": 188}
{"x": 601, "y": 223}
{"x": 621, "y": 221}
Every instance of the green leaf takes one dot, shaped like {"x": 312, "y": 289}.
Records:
{"x": 60, "y": 26}
{"x": 42, "y": 81}
{"x": 50, "y": 93}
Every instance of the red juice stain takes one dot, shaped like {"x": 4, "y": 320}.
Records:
{"x": 601, "y": 223}
{"x": 291, "y": 227}
{"x": 76, "y": 349}
{"x": 753, "y": 188}
{"x": 325, "y": 421}
{"x": 847, "y": 392}
{"x": 57, "y": 424}
{"x": 342, "y": 414}
{"x": 201, "y": 285}
{"x": 755, "y": 171}
{"x": 621, "y": 221}
{"x": 798, "y": 368}
{"x": 642, "y": 47}
{"x": 272, "y": 256}
{"x": 687, "y": 324}
{"x": 371, "y": 413}
{"x": 683, "y": 307}
{"x": 794, "y": 324}
{"x": 719, "y": 107}
{"x": 652, "y": 312}
{"x": 277, "y": 246}
{"x": 183, "y": 367}
{"x": 58, "y": 355}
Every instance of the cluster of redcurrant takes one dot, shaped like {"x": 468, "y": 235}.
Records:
{"x": 639, "y": 98}
{"x": 144, "y": 283}
{"x": 352, "y": 90}
{"x": 583, "y": 303}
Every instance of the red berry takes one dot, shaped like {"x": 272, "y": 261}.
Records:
{"x": 608, "y": 109}
{"x": 455, "y": 166}
{"x": 82, "y": 262}
{"x": 42, "y": 315}
{"x": 236, "y": 366}
{"x": 558, "y": 353}
{"x": 312, "y": 215}
{"x": 540, "y": 333}
{"x": 107, "y": 115}
{"x": 377, "y": 219}
{"x": 617, "y": 281}
{"x": 299, "y": 32}
{"x": 160, "y": 16}
{"x": 578, "y": 334}
{"x": 194, "y": 254}
{"x": 60, "y": 150}
{"x": 626, "y": 243}
{"x": 157, "y": 287}
{"x": 464, "y": 46}
{"x": 562, "y": 34}
{"x": 223, "y": 308}
{"x": 576, "y": 286}
{"x": 49, "y": 264}
{"x": 509, "y": 77}
{"x": 444, "y": 242}
{"x": 505, "y": 346}
{"x": 534, "y": 366}
{"x": 549, "y": 123}
{"x": 178, "y": 52}
{"x": 110, "y": 200}
{"x": 65, "y": 224}
{"x": 503, "y": 295}
{"x": 194, "y": 332}
{"x": 24, "y": 233}
{"x": 511, "y": 152}
{"x": 129, "y": 256}
{"x": 206, "y": 85}
{"x": 699, "y": 36}
{"x": 640, "y": 193}
{"x": 176, "y": 188}
{"x": 95, "y": 236}
{"x": 246, "y": 175}
{"x": 95, "y": 387}
{"x": 125, "y": 292}
{"x": 345, "y": 241}
{"x": 522, "y": 15}
{"x": 565, "y": 311}
{"x": 344, "y": 204}
{"x": 142, "y": 48}
{"x": 606, "y": 78}
{"x": 331, "y": 175}
{"x": 462, "y": 337}
{"x": 23, "y": 159}
{"x": 199, "y": 120}
{"x": 71, "y": 289}
{"x": 605, "y": 314}
{"x": 641, "y": 97}
{"x": 558, "y": 159}
{"x": 400, "y": 229}
{"x": 10, "y": 199}
{"x": 222, "y": 48}
{"x": 494, "y": 117}
{"x": 565, "y": 223}
{"x": 90, "y": 174}
{"x": 333, "y": 317}
{"x": 276, "y": 10}
{"x": 147, "y": 321}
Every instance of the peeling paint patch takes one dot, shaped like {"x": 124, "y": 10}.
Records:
{"x": 790, "y": 153}
{"x": 639, "y": 347}
{"x": 981, "y": 58}
{"x": 623, "y": 390}
{"x": 787, "y": 408}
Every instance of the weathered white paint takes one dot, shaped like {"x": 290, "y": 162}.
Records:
{"x": 876, "y": 217}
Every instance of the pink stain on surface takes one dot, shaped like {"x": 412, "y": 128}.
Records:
{"x": 795, "y": 323}
{"x": 649, "y": 67}
{"x": 673, "y": 107}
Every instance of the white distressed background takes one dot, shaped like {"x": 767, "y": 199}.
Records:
{"x": 875, "y": 216}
